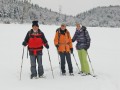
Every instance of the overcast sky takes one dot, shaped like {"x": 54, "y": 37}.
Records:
{"x": 73, "y": 7}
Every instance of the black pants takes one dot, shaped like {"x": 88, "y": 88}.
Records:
{"x": 63, "y": 56}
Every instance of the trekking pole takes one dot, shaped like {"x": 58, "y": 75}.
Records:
{"x": 59, "y": 62}
{"x": 50, "y": 63}
{"x": 76, "y": 62}
{"x": 27, "y": 52}
{"x": 22, "y": 63}
{"x": 91, "y": 65}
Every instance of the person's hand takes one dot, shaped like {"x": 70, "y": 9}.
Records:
{"x": 57, "y": 46}
{"x": 24, "y": 43}
{"x": 71, "y": 49}
{"x": 87, "y": 47}
{"x": 47, "y": 46}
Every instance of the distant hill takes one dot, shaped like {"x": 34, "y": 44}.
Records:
{"x": 16, "y": 11}
{"x": 101, "y": 17}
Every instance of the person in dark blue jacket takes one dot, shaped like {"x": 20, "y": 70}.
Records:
{"x": 83, "y": 43}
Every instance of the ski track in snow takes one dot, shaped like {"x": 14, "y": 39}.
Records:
{"x": 11, "y": 37}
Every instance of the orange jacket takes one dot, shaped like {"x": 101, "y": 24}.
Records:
{"x": 64, "y": 41}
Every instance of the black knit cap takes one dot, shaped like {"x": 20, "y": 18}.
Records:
{"x": 35, "y": 23}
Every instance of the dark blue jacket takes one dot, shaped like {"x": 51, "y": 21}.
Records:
{"x": 83, "y": 39}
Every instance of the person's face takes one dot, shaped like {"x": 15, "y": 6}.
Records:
{"x": 63, "y": 27}
{"x": 35, "y": 27}
{"x": 78, "y": 27}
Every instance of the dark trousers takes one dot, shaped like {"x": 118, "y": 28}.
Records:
{"x": 66, "y": 56}
{"x": 33, "y": 59}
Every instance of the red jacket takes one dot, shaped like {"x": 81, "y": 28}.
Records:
{"x": 35, "y": 41}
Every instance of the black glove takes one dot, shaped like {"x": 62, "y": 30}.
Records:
{"x": 24, "y": 43}
{"x": 73, "y": 40}
{"x": 71, "y": 49}
{"x": 57, "y": 46}
{"x": 47, "y": 46}
{"x": 87, "y": 46}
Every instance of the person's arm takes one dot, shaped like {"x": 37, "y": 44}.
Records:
{"x": 70, "y": 43}
{"x": 87, "y": 37}
{"x": 56, "y": 40}
{"x": 74, "y": 37}
{"x": 25, "y": 42}
{"x": 45, "y": 41}
{"x": 88, "y": 40}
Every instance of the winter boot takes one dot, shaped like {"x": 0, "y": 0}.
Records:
{"x": 71, "y": 74}
{"x": 42, "y": 76}
{"x": 80, "y": 72}
{"x": 85, "y": 74}
{"x": 63, "y": 74}
{"x": 33, "y": 77}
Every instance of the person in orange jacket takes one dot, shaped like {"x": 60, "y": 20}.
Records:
{"x": 63, "y": 43}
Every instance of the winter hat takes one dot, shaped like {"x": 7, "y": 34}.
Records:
{"x": 63, "y": 24}
{"x": 35, "y": 23}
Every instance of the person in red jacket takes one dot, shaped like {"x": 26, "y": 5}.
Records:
{"x": 35, "y": 40}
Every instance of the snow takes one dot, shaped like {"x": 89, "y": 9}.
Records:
{"x": 104, "y": 55}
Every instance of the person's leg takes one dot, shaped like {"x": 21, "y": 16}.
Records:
{"x": 81, "y": 60}
{"x": 40, "y": 66}
{"x": 68, "y": 58}
{"x": 33, "y": 66}
{"x": 62, "y": 57}
{"x": 85, "y": 62}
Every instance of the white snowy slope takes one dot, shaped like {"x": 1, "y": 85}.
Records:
{"x": 104, "y": 54}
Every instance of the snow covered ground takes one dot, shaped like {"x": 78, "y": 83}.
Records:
{"x": 104, "y": 53}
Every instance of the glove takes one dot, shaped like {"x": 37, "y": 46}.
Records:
{"x": 57, "y": 46}
{"x": 47, "y": 46}
{"x": 73, "y": 40}
{"x": 87, "y": 46}
{"x": 24, "y": 43}
{"x": 71, "y": 49}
